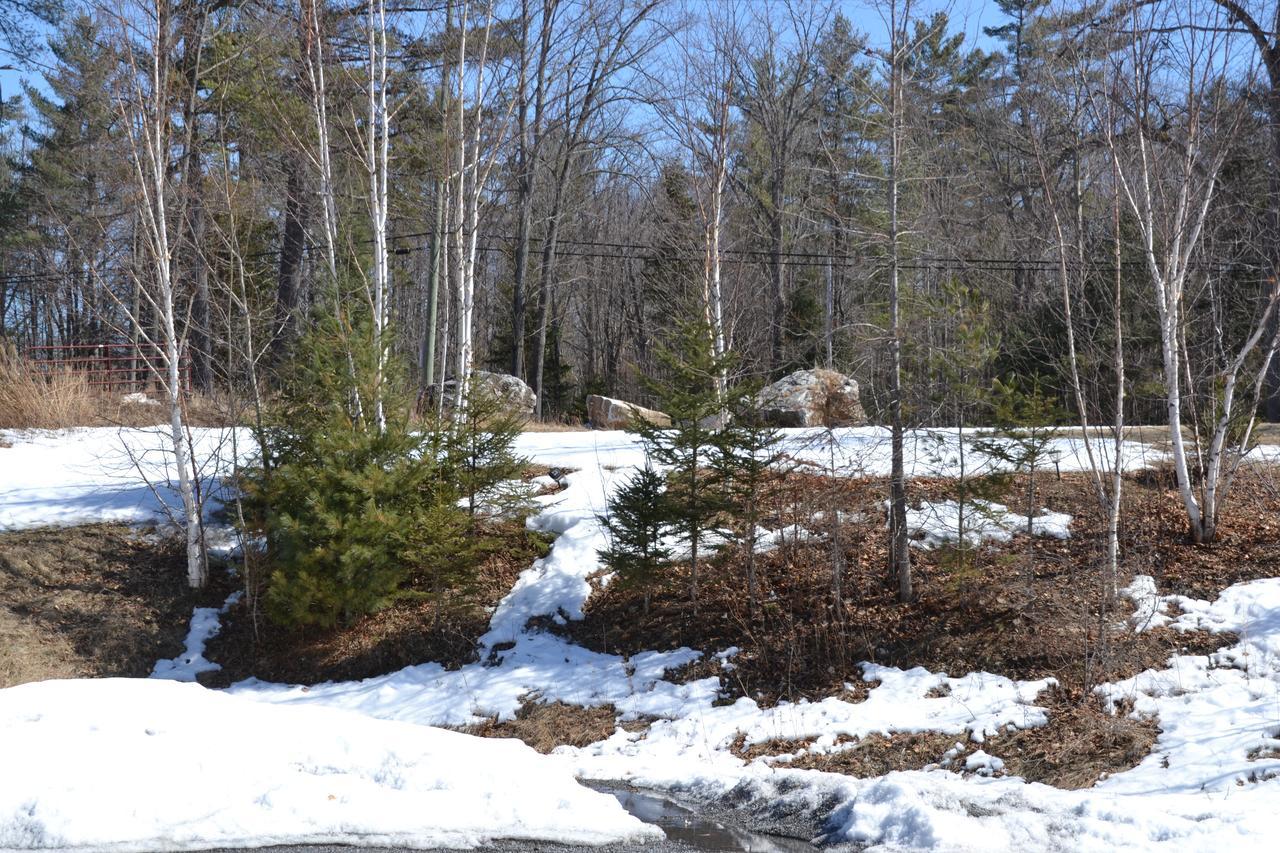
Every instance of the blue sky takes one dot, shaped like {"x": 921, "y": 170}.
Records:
{"x": 967, "y": 15}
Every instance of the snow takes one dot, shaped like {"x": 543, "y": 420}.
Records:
{"x": 978, "y": 706}
{"x": 136, "y": 764}
{"x": 204, "y": 627}
{"x": 1213, "y": 778}
{"x": 983, "y": 764}
{"x": 1148, "y": 605}
{"x": 934, "y": 524}
{"x": 849, "y": 451}
{"x": 87, "y": 476}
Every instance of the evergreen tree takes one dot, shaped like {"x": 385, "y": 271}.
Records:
{"x": 695, "y": 496}
{"x": 960, "y": 372}
{"x": 1025, "y": 421}
{"x": 350, "y": 510}
{"x": 637, "y": 522}
{"x": 474, "y": 449}
{"x": 745, "y": 459}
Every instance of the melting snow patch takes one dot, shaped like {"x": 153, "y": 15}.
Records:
{"x": 936, "y": 524}
{"x": 205, "y": 624}
{"x": 1149, "y": 607}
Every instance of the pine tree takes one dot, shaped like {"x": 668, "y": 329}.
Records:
{"x": 745, "y": 459}
{"x": 695, "y": 498}
{"x": 637, "y": 522}
{"x": 350, "y": 509}
{"x": 960, "y": 369}
{"x": 474, "y": 447}
{"x": 1024, "y": 422}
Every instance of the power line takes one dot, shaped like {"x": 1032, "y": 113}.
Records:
{"x": 645, "y": 252}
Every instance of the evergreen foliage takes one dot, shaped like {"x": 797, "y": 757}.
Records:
{"x": 349, "y": 511}
{"x": 745, "y": 458}
{"x": 638, "y": 521}
{"x": 1025, "y": 418}
{"x": 695, "y": 497}
{"x": 717, "y": 459}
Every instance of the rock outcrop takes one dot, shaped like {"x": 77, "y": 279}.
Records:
{"x": 608, "y": 413}
{"x": 809, "y": 398}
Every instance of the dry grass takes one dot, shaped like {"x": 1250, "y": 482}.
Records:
{"x": 30, "y": 399}
{"x": 91, "y": 601}
{"x": 533, "y": 425}
{"x": 546, "y": 725}
{"x": 33, "y": 400}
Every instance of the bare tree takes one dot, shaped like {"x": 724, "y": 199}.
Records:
{"x": 776, "y": 77}
{"x": 147, "y": 108}
{"x": 1168, "y": 161}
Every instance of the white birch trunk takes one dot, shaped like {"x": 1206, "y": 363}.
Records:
{"x": 150, "y": 144}
{"x": 377, "y": 152}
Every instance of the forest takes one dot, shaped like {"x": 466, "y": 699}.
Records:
{"x": 551, "y": 188}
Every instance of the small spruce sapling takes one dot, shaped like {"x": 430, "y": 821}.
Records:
{"x": 1024, "y": 419}
{"x": 745, "y": 459}
{"x": 960, "y": 369}
{"x": 475, "y": 446}
{"x": 695, "y": 499}
{"x": 637, "y": 523}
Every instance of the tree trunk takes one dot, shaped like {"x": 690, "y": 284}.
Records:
{"x": 899, "y": 549}
{"x": 427, "y": 358}
{"x": 292, "y": 244}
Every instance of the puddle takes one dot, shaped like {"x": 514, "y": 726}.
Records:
{"x": 689, "y": 828}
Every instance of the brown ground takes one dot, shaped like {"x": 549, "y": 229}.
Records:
{"x": 1026, "y": 609}
{"x": 546, "y": 725}
{"x": 91, "y": 601}
{"x": 1080, "y": 744}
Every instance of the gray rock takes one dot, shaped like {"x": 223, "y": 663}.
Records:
{"x": 511, "y": 392}
{"x": 809, "y": 398}
{"x": 608, "y": 413}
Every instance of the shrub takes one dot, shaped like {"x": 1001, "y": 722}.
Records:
{"x": 350, "y": 510}
{"x": 30, "y": 399}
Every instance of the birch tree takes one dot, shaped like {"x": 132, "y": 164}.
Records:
{"x": 148, "y": 36}
{"x": 376, "y": 144}
{"x": 1168, "y": 159}
{"x": 473, "y": 162}
{"x": 701, "y": 119}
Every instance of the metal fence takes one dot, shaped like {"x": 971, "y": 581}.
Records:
{"x": 121, "y": 368}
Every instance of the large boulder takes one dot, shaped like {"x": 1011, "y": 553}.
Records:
{"x": 809, "y": 398}
{"x": 608, "y": 413}
{"x": 512, "y": 394}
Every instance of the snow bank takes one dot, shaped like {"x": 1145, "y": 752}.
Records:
{"x": 976, "y": 706}
{"x": 850, "y": 451}
{"x": 124, "y": 764}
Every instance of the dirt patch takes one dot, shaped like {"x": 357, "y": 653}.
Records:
{"x": 546, "y": 725}
{"x": 98, "y": 600}
{"x": 1082, "y": 744}
{"x": 874, "y": 755}
{"x": 411, "y": 631}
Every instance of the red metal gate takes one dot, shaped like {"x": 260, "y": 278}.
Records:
{"x": 111, "y": 367}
